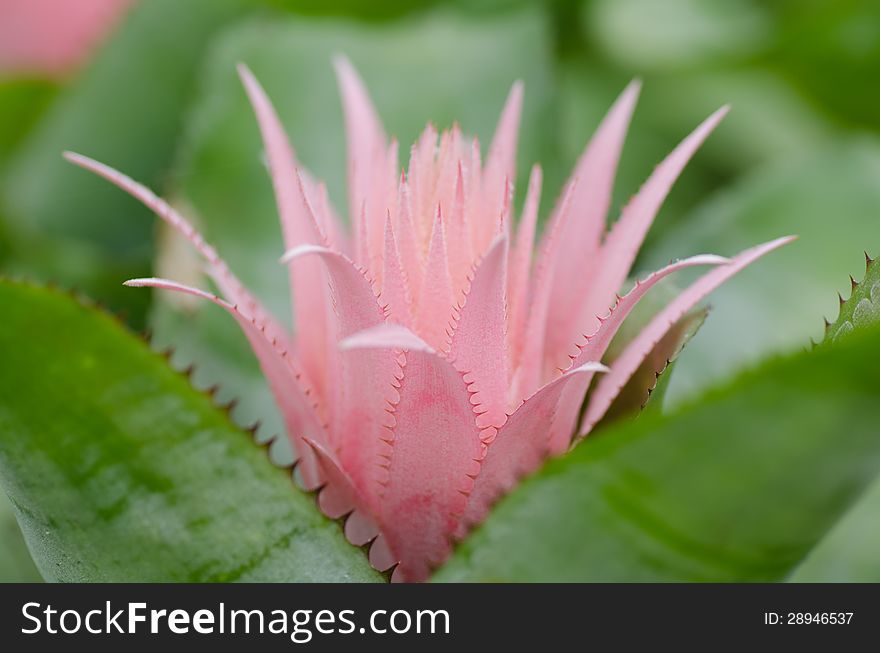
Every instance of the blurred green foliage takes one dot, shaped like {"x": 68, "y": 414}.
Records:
{"x": 798, "y": 154}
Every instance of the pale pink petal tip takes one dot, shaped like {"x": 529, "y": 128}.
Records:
{"x": 302, "y": 250}
{"x": 589, "y": 368}
{"x": 167, "y": 284}
{"x": 386, "y": 336}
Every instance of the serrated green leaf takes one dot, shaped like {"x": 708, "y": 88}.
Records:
{"x": 439, "y": 68}
{"x": 862, "y": 308}
{"x": 738, "y": 486}
{"x": 851, "y": 551}
{"x": 119, "y": 471}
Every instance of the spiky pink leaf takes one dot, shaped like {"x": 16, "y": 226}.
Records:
{"x": 520, "y": 445}
{"x": 596, "y": 344}
{"x": 531, "y": 368}
{"x": 366, "y": 155}
{"x": 299, "y": 227}
{"x": 578, "y": 243}
{"x": 500, "y": 167}
{"x": 518, "y": 286}
{"x": 479, "y": 345}
{"x": 395, "y": 285}
{"x": 366, "y": 378}
{"x": 610, "y": 269}
{"x": 300, "y": 413}
{"x": 435, "y": 454}
{"x": 228, "y": 283}
{"x": 434, "y": 311}
{"x": 629, "y": 361}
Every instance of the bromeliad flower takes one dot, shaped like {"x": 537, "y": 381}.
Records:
{"x": 436, "y": 358}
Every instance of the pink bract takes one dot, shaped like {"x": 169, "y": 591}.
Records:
{"x": 53, "y": 37}
{"x": 438, "y": 356}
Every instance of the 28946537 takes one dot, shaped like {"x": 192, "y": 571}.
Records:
{"x": 808, "y": 618}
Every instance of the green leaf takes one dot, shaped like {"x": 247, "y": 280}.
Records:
{"x": 22, "y": 101}
{"x": 439, "y": 68}
{"x": 850, "y": 551}
{"x": 119, "y": 471}
{"x": 862, "y": 308}
{"x": 739, "y": 486}
{"x": 16, "y": 565}
{"x": 649, "y": 382}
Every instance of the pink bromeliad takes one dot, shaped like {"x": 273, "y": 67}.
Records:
{"x": 436, "y": 357}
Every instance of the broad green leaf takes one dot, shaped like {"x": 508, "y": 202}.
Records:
{"x": 693, "y": 33}
{"x": 439, "y": 68}
{"x": 829, "y": 197}
{"x": 851, "y": 551}
{"x": 119, "y": 471}
{"x": 16, "y": 565}
{"x": 738, "y": 486}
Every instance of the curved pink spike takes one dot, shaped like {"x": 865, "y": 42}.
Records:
{"x": 301, "y": 416}
{"x": 500, "y": 167}
{"x": 434, "y": 311}
{"x": 435, "y": 453}
{"x": 530, "y": 372}
{"x": 330, "y": 223}
{"x": 609, "y": 270}
{"x": 579, "y": 241}
{"x": 474, "y": 196}
{"x": 518, "y": 286}
{"x": 628, "y": 361}
{"x": 366, "y": 151}
{"x": 596, "y": 345}
{"x": 479, "y": 344}
{"x": 297, "y": 220}
{"x": 596, "y": 169}
{"x": 458, "y": 235}
{"x": 228, "y": 283}
{"x": 502, "y": 150}
{"x": 300, "y": 226}
{"x": 356, "y": 303}
{"x": 168, "y": 284}
{"x": 448, "y": 158}
{"x": 149, "y": 199}
{"x": 421, "y": 180}
{"x": 367, "y": 378}
{"x": 520, "y": 446}
{"x": 395, "y": 286}
{"x": 408, "y": 239}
